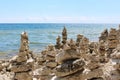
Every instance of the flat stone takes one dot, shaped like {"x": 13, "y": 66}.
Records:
{"x": 21, "y": 68}
{"x": 66, "y": 55}
{"x": 92, "y": 65}
{"x": 69, "y": 67}
{"x": 48, "y": 57}
{"x": 51, "y": 64}
{"x": 51, "y": 53}
{"x": 23, "y": 76}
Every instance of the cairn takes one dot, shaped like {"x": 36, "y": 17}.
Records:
{"x": 93, "y": 69}
{"x": 115, "y": 73}
{"x": 112, "y": 41}
{"x": 64, "y": 36}
{"x": 93, "y": 47}
{"x": 69, "y": 61}
{"x": 104, "y": 36}
{"x": 102, "y": 52}
{"x": 79, "y": 38}
{"x": 84, "y": 45}
{"x": 47, "y": 62}
{"x": 58, "y": 44}
{"x": 22, "y": 64}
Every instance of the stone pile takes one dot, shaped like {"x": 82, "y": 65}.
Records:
{"x": 112, "y": 40}
{"x": 89, "y": 57}
{"x": 84, "y": 45}
{"x": 22, "y": 64}
{"x": 64, "y": 36}
{"x": 102, "y": 52}
{"x": 47, "y": 60}
{"x": 115, "y": 73}
{"x": 5, "y": 73}
{"x": 79, "y": 38}
{"x": 58, "y": 43}
{"x": 67, "y": 60}
{"x": 93, "y": 69}
{"x": 104, "y": 36}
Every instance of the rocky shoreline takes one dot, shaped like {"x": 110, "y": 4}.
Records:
{"x": 67, "y": 60}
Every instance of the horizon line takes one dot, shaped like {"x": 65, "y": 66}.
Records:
{"x": 53, "y": 23}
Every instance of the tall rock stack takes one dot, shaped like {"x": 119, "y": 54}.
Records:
{"x": 84, "y": 45}
{"x": 24, "y": 42}
{"x": 22, "y": 64}
{"x": 102, "y": 52}
{"x": 72, "y": 45}
{"x": 69, "y": 63}
{"x": 115, "y": 73}
{"x": 102, "y": 48}
{"x": 48, "y": 64}
{"x": 79, "y": 38}
{"x": 64, "y": 36}
{"x": 104, "y": 36}
{"x": 58, "y": 43}
{"x": 93, "y": 47}
{"x": 112, "y": 40}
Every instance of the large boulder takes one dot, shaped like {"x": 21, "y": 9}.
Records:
{"x": 66, "y": 55}
{"x": 69, "y": 67}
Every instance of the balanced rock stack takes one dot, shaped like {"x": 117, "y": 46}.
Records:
{"x": 23, "y": 63}
{"x": 47, "y": 62}
{"x": 84, "y": 45}
{"x": 104, "y": 36}
{"x": 115, "y": 73}
{"x": 58, "y": 43}
{"x": 102, "y": 52}
{"x": 93, "y": 47}
{"x": 69, "y": 62}
{"x": 93, "y": 69}
{"x": 64, "y": 36}
{"x": 112, "y": 40}
{"x": 79, "y": 38}
{"x": 83, "y": 60}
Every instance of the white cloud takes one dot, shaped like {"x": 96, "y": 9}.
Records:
{"x": 82, "y": 19}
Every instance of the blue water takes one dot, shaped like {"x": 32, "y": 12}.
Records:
{"x": 40, "y": 35}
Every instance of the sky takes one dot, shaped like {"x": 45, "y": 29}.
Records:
{"x": 59, "y": 11}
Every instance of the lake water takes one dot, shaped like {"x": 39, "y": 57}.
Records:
{"x": 40, "y": 35}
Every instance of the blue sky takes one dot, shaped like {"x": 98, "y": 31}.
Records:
{"x": 59, "y": 11}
